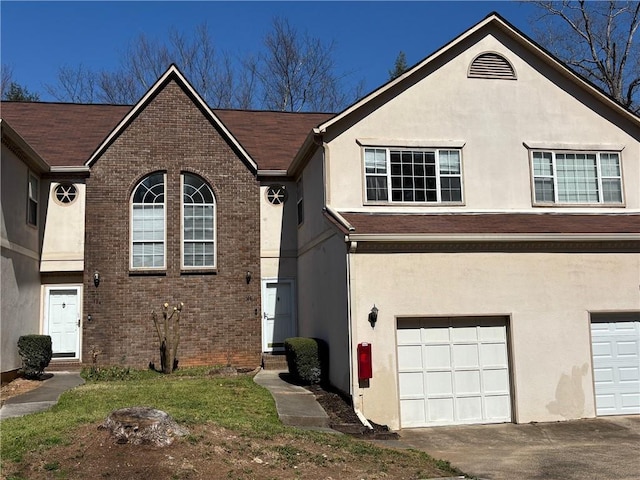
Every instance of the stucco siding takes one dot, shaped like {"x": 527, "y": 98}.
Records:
{"x": 493, "y": 119}
{"x": 547, "y": 297}
{"x": 20, "y": 262}
{"x": 323, "y": 303}
{"x": 63, "y": 246}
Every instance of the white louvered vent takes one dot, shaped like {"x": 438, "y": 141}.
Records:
{"x": 491, "y": 65}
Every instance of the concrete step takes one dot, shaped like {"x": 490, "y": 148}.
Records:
{"x": 274, "y": 361}
{"x": 64, "y": 366}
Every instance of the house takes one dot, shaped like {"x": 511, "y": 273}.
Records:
{"x": 470, "y": 231}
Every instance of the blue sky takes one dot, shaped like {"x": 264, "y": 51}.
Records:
{"x": 37, "y": 38}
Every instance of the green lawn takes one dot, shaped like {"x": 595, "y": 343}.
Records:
{"x": 194, "y": 398}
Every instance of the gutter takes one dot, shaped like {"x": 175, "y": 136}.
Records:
{"x": 339, "y": 218}
{"x": 491, "y": 237}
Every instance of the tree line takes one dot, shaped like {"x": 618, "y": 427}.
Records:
{"x": 295, "y": 71}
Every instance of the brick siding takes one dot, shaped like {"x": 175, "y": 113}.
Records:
{"x": 221, "y": 319}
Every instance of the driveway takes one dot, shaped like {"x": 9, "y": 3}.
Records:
{"x": 604, "y": 448}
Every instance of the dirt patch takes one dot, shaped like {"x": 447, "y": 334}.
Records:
{"x": 17, "y": 387}
{"x": 214, "y": 452}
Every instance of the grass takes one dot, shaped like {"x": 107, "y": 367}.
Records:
{"x": 191, "y": 398}
{"x": 234, "y": 403}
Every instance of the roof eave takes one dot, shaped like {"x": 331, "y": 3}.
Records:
{"x": 492, "y": 237}
{"x": 36, "y": 161}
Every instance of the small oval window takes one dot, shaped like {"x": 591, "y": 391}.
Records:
{"x": 65, "y": 193}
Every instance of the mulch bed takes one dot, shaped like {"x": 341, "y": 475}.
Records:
{"x": 342, "y": 417}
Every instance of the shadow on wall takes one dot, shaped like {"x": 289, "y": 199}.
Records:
{"x": 569, "y": 402}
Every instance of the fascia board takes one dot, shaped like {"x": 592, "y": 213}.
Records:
{"x": 494, "y": 237}
{"x": 171, "y": 71}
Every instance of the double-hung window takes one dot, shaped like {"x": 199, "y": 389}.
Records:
{"x": 32, "y": 200}
{"x": 413, "y": 175}
{"x": 576, "y": 177}
{"x": 198, "y": 223}
{"x": 148, "y": 223}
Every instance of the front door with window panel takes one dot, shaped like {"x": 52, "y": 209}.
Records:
{"x": 63, "y": 322}
{"x": 278, "y": 316}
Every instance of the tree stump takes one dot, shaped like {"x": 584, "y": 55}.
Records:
{"x": 143, "y": 426}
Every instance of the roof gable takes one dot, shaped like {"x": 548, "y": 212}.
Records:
{"x": 385, "y": 92}
{"x": 173, "y": 74}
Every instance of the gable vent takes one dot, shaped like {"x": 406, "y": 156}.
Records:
{"x": 491, "y": 65}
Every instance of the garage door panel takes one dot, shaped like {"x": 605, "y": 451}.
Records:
{"x": 466, "y": 356}
{"x": 440, "y": 383}
{"x": 493, "y": 355}
{"x": 469, "y": 409}
{"x": 410, "y": 357}
{"x": 437, "y": 356}
{"x": 440, "y": 411}
{"x": 464, "y": 334}
{"x": 410, "y": 334}
{"x": 412, "y": 384}
{"x": 413, "y": 412}
{"x": 467, "y": 382}
{"x": 629, "y": 374}
{"x": 496, "y": 381}
{"x": 464, "y": 367}
{"x": 616, "y": 364}
{"x": 498, "y": 408}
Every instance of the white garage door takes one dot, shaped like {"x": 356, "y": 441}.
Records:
{"x": 453, "y": 371}
{"x": 616, "y": 364}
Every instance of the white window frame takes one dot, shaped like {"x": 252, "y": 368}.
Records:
{"x": 164, "y": 241}
{"x": 215, "y": 229}
{"x": 388, "y": 176}
{"x": 554, "y": 177}
{"x": 33, "y": 198}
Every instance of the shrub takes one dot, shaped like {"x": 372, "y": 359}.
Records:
{"x": 305, "y": 358}
{"x": 36, "y": 353}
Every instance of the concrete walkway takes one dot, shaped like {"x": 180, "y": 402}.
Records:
{"x": 41, "y": 398}
{"x": 296, "y": 405}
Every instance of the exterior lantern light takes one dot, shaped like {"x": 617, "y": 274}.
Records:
{"x": 373, "y": 316}
{"x": 248, "y": 277}
{"x": 96, "y": 279}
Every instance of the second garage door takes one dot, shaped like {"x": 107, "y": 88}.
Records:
{"x": 453, "y": 371}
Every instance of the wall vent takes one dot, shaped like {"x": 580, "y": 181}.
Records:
{"x": 491, "y": 65}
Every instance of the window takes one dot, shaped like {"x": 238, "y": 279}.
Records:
{"x": 576, "y": 178}
{"x": 198, "y": 223}
{"x": 148, "y": 223}
{"x": 32, "y": 200}
{"x": 300, "y": 203}
{"x": 65, "y": 193}
{"x": 412, "y": 175}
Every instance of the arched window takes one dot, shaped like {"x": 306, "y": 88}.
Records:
{"x": 198, "y": 223}
{"x": 148, "y": 222}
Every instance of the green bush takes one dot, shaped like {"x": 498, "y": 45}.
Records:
{"x": 306, "y": 358}
{"x": 36, "y": 353}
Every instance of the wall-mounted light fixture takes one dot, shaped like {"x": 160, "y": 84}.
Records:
{"x": 248, "y": 277}
{"x": 373, "y": 316}
{"x": 96, "y": 279}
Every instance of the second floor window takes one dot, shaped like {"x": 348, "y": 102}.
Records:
{"x": 577, "y": 178}
{"x": 413, "y": 175}
{"x": 148, "y": 223}
{"x": 32, "y": 200}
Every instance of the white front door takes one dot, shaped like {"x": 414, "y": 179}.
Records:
{"x": 616, "y": 364}
{"x": 278, "y": 316}
{"x": 453, "y": 371}
{"x": 62, "y": 321}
